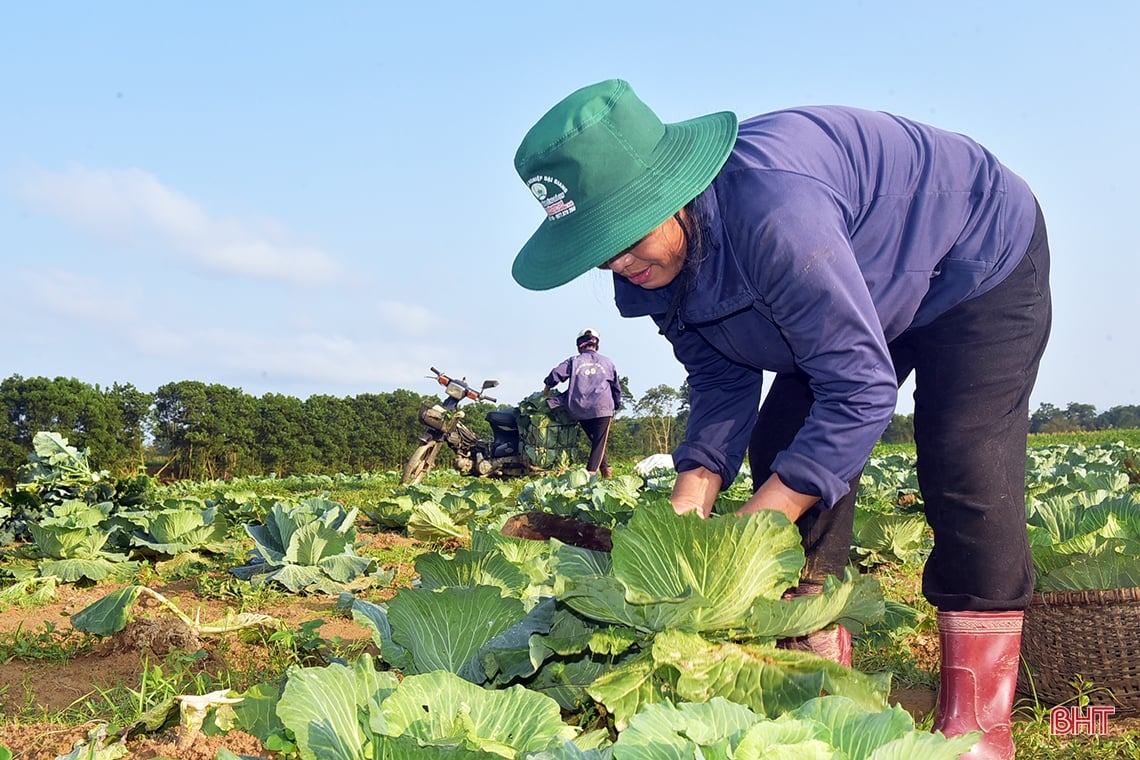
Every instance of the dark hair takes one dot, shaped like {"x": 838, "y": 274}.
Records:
{"x": 693, "y": 223}
{"x": 587, "y": 344}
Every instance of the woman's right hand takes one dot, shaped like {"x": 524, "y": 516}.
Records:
{"x": 695, "y": 489}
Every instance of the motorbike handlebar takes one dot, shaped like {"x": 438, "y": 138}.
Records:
{"x": 472, "y": 394}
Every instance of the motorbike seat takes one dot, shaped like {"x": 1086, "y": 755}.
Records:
{"x": 505, "y": 429}
{"x": 503, "y": 419}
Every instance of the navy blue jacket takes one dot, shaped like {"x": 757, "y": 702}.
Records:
{"x": 830, "y": 231}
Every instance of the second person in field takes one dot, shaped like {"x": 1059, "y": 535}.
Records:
{"x": 592, "y": 396}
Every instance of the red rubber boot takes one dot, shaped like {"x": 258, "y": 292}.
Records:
{"x": 980, "y": 656}
{"x": 832, "y": 643}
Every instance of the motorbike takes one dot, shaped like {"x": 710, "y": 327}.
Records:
{"x": 502, "y": 456}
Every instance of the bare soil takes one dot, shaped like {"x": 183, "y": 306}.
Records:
{"x": 540, "y": 526}
{"x": 33, "y": 690}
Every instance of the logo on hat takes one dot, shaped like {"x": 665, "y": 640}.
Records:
{"x": 556, "y": 205}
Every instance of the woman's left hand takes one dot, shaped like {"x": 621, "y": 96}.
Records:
{"x": 774, "y": 495}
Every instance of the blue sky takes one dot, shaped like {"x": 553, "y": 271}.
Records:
{"x": 320, "y": 197}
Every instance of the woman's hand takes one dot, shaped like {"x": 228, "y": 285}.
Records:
{"x": 695, "y": 490}
{"x": 773, "y": 494}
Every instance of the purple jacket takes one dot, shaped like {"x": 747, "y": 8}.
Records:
{"x": 830, "y": 232}
{"x": 594, "y": 389}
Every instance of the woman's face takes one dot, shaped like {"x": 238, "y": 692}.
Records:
{"x": 655, "y": 260}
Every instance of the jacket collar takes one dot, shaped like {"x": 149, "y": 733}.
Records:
{"x": 719, "y": 286}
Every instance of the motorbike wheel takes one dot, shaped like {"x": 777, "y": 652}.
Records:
{"x": 420, "y": 463}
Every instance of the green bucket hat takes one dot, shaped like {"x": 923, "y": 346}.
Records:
{"x": 607, "y": 172}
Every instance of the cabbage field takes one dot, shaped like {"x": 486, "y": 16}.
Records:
{"x": 350, "y": 618}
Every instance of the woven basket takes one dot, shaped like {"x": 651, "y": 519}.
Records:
{"x": 1091, "y": 634}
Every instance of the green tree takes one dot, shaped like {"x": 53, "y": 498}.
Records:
{"x": 658, "y": 408}
{"x": 1049, "y": 419}
{"x": 329, "y": 420}
{"x": 88, "y": 417}
{"x": 180, "y": 412}
{"x": 15, "y": 441}
{"x": 402, "y": 411}
{"x": 628, "y": 437}
{"x": 207, "y": 429}
{"x": 37, "y": 403}
{"x": 371, "y": 439}
{"x": 627, "y": 398}
{"x": 1083, "y": 416}
{"x": 282, "y": 437}
{"x": 1119, "y": 417}
{"x": 128, "y": 414}
{"x": 900, "y": 429}
{"x": 233, "y": 446}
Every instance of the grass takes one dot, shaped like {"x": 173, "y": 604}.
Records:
{"x": 905, "y": 644}
{"x": 1130, "y": 437}
{"x": 123, "y": 705}
{"x": 263, "y": 657}
{"x": 1035, "y": 738}
{"x": 910, "y": 654}
{"x": 225, "y": 587}
{"x": 48, "y": 644}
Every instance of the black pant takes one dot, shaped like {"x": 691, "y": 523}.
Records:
{"x": 974, "y": 368}
{"x": 598, "y": 431}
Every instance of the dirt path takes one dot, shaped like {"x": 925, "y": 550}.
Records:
{"x": 33, "y": 690}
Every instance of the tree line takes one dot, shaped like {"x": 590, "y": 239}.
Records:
{"x": 1047, "y": 419}
{"x": 194, "y": 430}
